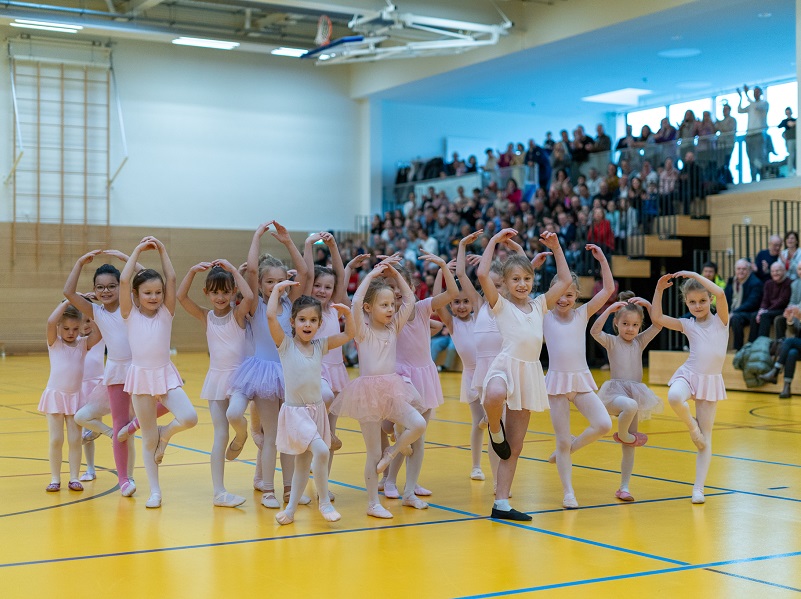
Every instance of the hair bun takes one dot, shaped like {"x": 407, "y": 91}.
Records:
{"x": 625, "y": 296}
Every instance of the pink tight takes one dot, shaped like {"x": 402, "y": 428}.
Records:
{"x": 120, "y": 403}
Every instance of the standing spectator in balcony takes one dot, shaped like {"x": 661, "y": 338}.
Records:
{"x": 665, "y": 139}
{"x": 788, "y": 124}
{"x": 538, "y": 157}
{"x": 668, "y": 183}
{"x": 549, "y": 142}
{"x": 688, "y": 129}
{"x": 472, "y": 164}
{"x": 626, "y": 144}
{"x": 564, "y": 141}
{"x": 790, "y": 256}
{"x": 766, "y": 257}
{"x": 603, "y": 143}
{"x": 410, "y": 205}
{"x": 560, "y": 164}
{"x": 744, "y": 296}
{"x": 581, "y": 147}
{"x": 594, "y": 182}
{"x": 727, "y": 127}
{"x": 505, "y": 159}
{"x": 755, "y": 137}
{"x": 691, "y": 179}
{"x": 600, "y": 232}
{"x": 492, "y": 161}
{"x": 705, "y": 150}
{"x": 646, "y": 143}
{"x": 612, "y": 180}
{"x": 519, "y": 157}
{"x": 775, "y": 298}
{"x": 453, "y": 165}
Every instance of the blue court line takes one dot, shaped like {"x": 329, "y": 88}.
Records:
{"x": 587, "y": 581}
{"x": 760, "y": 581}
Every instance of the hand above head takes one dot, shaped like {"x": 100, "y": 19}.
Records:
{"x": 549, "y": 240}
{"x": 390, "y": 260}
{"x": 452, "y": 266}
{"x": 434, "y": 258}
{"x": 473, "y": 259}
{"x": 341, "y": 309}
{"x": 472, "y": 238}
{"x": 504, "y": 235}
{"x": 146, "y": 244}
{"x": 224, "y": 264}
{"x": 664, "y": 282}
{"x": 281, "y": 234}
{"x": 314, "y": 238}
{"x": 263, "y": 228}
{"x": 88, "y": 257}
{"x": 540, "y": 259}
{"x": 380, "y": 269}
{"x": 597, "y": 252}
{"x": 89, "y": 296}
{"x": 684, "y": 274}
{"x": 201, "y": 266}
{"x": 328, "y": 239}
{"x": 617, "y": 306}
{"x": 358, "y": 261}
{"x": 639, "y": 301}
{"x": 281, "y": 286}
{"x": 116, "y": 254}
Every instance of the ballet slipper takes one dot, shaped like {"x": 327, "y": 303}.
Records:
{"x": 88, "y": 476}
{"x": 269, "y": 500}
{"x": 53, "y": 487}
{"x": 161, "y": 447}
{"x": 421, "y": 491}
{"x": 329, "y": 513}
{"x": 385, "y": 460}
{"x": 336, "y": 443}
{"x": 260, "y": 485}
{"x": 624, "y": 495}
{"x": 128, "y": 488}
{"x": 381, "y": 483}
{"x": 569, "y": 502}
{"x": 415, "y": 502}
{"x": 226, "y": 499}
{"x": 406, "y": 451}
{"x": 89, "y": 436}
{"x": 477, "y": 474}
{"x": 503, "y": 449}
{"x": 75, "y": 486}
{"x": 128, "y": 430}
{"x": 483, "y": 423}
{"x": 698, "y": 496}
{"x": 378, "y": 511}
{"x": 258, "y": 438}
{"x": 697, "y": 436}
{"x": 285, "y": 517}
{"x": 304, "y": 499}
{"x": 391, "y": 490}
{"x": 640, "y": 439}
{"x": 235, "y": 448}
{"x": 154, "y": 501}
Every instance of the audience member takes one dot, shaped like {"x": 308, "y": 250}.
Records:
{"x": 744, "y": 296}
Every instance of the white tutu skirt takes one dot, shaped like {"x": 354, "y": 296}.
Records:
{"x": 426, "y": 381}
{"x": 94, "y": 392}
{"x": 298, "y": 426}
{"x": 60, "y": 402}
{"x": 468, "y": 393}
{"x": 525, "y": 383}
{"x": 217, "y": 385}
{"x": 707, "y": 387}
{"x": 647, "y": 402}
{"x": 376, "y": 398}
{"x": 152, "y": 381}
{"x": 259, "y": 378}
{"x": 336, "y": 375}
{"x": 562, "y": 382}
{"x": 115, "y": 372}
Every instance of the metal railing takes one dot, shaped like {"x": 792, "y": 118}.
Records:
{"x": 785, "y": 216}
{"x": 748, "y": 240}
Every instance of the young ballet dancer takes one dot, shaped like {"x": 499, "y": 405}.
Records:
{"x": 303, "y": 427}
{"x": 108, "y": 320}
{"x": 414, "y": 363}
{"x": 515, "y": 377}
{"x": 225, "y": 334}
{"x": 260, "y": 377}
{"x": 700, "y": 378}
{"x": 62, "y": 396}
{"x": 624, "y": 394}
{"x": 380, "y": 393}
{"x": 569, "y": 379}
{"x": 94, "y": 399}
{"x": 151, "y": 375}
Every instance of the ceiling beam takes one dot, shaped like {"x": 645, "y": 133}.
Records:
{"x": 139, "y": 6}
{"x": 318, "y": 7}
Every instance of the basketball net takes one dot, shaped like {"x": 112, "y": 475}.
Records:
{"x": 324, "y": 30}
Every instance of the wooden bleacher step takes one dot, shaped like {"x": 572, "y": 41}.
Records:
{"x": 652, "y": 246}
{"x": 686, "y": 226}
{"x": 627, "y": 268}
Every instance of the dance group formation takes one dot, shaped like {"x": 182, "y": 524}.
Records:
{"x": 275, "y": 337}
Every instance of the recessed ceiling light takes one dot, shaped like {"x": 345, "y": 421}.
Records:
{"x": 629, "y": 96}
{"x": 693, "y": 84}
{"x": 46, "y": 26}
{"x": 204, "y": 43}
{"x": 765, "y": 15}
{"x": 290, "y": 52}
{"x": 679, "y": 53}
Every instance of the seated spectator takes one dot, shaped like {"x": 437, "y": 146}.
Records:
{"x": 513, "y": 193}
{"x": 584, "y": 195}
{"x": 594, "y": 182}
{"x": 600, "y": 232}
{"x": 767, "y": 257}
{"x": 780, "y": 322}
{"x": 790, "y": 256}
{"x": 567, "y": 230}
{"x": 603, "y": 143}
{"x": 612, "y": 180}
{"x": 442, "y": 342}
{"x": 775, "y": 298}
{"x": 668, "y": 184}
{"x": 604, "y": 195}
{"x": 648, "y": 174}
{"x": 691, "y": 180}
{"x": 744, "y": 296}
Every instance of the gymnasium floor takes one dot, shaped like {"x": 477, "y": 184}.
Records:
{"x": 745, "y": 541}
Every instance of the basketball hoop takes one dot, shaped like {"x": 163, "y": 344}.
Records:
{"x": 324, "y": 30}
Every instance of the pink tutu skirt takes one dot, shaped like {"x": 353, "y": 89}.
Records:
{"x": 468, "y": 393}
{"x": 336, "y": 375}
{"x": 376, "y": 398}
{"x": 60, "y": 402}
{"x": 259, "y": 378}
{"x": 525, "y": 383}
{"x": 115, "y": 372}
{"x": 93, "y": 391}
{"x": 217, "y": 385}
{"x": 152, "y": 381}
{"x": 562, "y": 382}
{"x": 647, "y": 402}
{"x": 426, "y": 381}
{"x": 298, "y": 426}
{"x": 707, "y": 387}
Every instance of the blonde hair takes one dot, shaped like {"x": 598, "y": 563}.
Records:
{"x": 574, "y": 278}
{"x": 691, "y": 285}
{"x": 267, "y": 261}
{"x": 376, "y": 285}
{"x": 625, "y": 296}
{"x": 517, "y": 261}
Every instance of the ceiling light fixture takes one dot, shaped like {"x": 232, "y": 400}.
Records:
{"x": 629, "y": 96}
{"x": 198, "y": 42}
{"x": 290, "y": 52}
{"x": 765, "y": 15}
{"x": 46, "y": 26}
{"x": 679, "y": 53}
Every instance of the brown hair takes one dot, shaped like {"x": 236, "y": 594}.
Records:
{"x": 143, "y": 276}
{"x": 71, "y": 313}
{"x": 625, "y": 296}
{"x": 219, "y": 279}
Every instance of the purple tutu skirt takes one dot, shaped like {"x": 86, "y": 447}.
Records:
{"x": 259, "y": 378}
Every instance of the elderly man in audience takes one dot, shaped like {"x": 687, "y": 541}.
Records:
{"x": 775, "y": 298}
{"x": 767, "y": 257}
{"x": 744, "y": 296}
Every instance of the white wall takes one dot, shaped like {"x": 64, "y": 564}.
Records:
{"x": 226, "y": 140}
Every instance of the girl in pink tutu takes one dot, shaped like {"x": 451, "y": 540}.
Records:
{"x": 379, "y": 393}
{"x": 625, "y": 395}
{"x": 225, "y": 334}
{"x": 62, "y": 396}
{"x": 700, "y": 378}
{"x": 152, "y": 376}
{"x": 569, "y": 379}
{"x": 260, "y": 377}
{"x": 514, "y": 380}
{"x": 303, "y": 427}
{"x": 414, "y": 363}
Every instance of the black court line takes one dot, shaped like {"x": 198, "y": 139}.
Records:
{"x": 626, "y": 503}
{"x": 760, "y": 581}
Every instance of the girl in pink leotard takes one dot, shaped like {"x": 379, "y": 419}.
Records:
{"x": 151, "y": 375}
{"x": 569, "y": 379}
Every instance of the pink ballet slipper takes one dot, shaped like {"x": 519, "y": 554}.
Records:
{"x": 391, "y": 491}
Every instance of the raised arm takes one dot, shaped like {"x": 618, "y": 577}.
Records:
{"x": 123, "y": 257}
{"x": 408, "y": 299}
{"x": 282, "y": 235}
{"x": 444, "y": 314}
{"x": 243, "y": 308}
{"x": 490, "y": 293}
{"x": 276, "y": 331}
{"x": 183, "y": 292}
{"x": 71, "y": 285}
{"x": 657, "y": 316}
{"x": 169, "y": 275}
{"x": 340, "y": 290}
{"x": 461, "y": 270}
{"x": 598, "y": 326}
{"x": 719, "y": 294}
{"x": 126, "y": 302}
{"x": 54, "y": 319}
{"x": 354, "y": 264}
{"x": 564, "y": 279}
{"x": 598, "y": 300}
{"x": 451, "y": 291}
{"x": 252, "y": 270}
{"x": 341, "y": 339}
{"x": 308, "y": 258}
{"x": 358, "y": 297}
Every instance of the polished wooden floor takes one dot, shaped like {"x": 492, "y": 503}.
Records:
{"x": 744, "y": 542}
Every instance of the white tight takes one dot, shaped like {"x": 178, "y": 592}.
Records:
{"x": 315, "y": 456}
{"x": 590, "y": 406}
{"x": 625, "y": 409}
{"x": 219, "y": 421}
{"x": 90, "y": 417}
{"x": 476, "y": 433}
{"x": 235, "y": 414}
{"x": 414, "y": 463}
{"x": 185, "y": 417}
{"x": 268, "y": 416}
{"x": 55, "y": 425}
{"x": 678, "y": 396}
{"x": 415, "y": 426}
{"x": 515, "y": 425}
